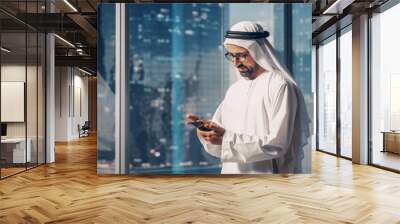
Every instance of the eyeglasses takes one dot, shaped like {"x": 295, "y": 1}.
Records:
{"x": 239, "y": 56}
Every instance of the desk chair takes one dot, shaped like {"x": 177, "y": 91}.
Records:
{"x": 84, "y": 130}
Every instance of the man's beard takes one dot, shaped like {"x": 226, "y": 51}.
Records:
{"x": 249, "y": 72}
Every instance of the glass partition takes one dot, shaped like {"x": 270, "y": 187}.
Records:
{"x": 22, "y": 90}
{"x": 14, "y": 153}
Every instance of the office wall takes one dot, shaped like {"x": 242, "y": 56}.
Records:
{"x": 61, "y": 103}
{"x": 71, "y": 102}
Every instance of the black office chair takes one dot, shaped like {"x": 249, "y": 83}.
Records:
{"x": 84, "y": 130}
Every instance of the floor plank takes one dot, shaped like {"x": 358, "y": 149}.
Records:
{"x": 70, "y": 191}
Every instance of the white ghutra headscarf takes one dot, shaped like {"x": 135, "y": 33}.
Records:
{"x": 260, "y": 49}
{"x": 263, "y": 53}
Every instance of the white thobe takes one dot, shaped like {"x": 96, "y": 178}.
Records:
{"x": 259, "y": 117}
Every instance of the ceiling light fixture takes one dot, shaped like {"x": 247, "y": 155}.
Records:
{"x": 5, "y": 50}
{"x": 70, "y": 5}
{"x": 64, "y": 40}
{"x": 84, "y": 71}
{"x": 337, "y": 7}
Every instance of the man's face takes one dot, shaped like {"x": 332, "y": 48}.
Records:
{"x": 242, "y": 60}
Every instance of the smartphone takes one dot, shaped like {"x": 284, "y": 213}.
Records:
{"x": 200, "y": 125}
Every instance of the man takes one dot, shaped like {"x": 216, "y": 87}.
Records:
{"x": 261, "y": 125}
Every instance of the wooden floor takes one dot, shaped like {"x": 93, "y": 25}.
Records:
{"x": 70, "y": 191}
{"x": 5, "y": 172}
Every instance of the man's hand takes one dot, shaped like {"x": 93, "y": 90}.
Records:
{"x": 214, "y": 136}
{"x": 210, "y": 136}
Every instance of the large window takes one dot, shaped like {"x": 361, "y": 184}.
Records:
{"x": 334, "y": 109}
{"x": 346, "y": 92}
{"x": 385, "y": 89}
{"x": 327, "y": 96}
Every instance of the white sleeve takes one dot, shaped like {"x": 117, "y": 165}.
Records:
{"x": 244, "y": 148}
{"x": 214, "y": 150}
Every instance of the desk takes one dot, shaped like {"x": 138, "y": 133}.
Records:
{"x": 391, "y": 141}
{"x": 15, "y": 148}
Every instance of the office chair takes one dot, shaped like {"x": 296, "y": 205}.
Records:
{"x": 84, "y": 130}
